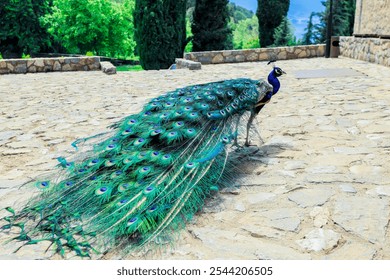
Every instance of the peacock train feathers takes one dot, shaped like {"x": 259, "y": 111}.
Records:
{"x": 148, "y": 176}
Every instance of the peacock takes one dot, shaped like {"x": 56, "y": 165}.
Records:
{"x": 146, "y": 177}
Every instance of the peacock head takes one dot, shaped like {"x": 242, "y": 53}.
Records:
{"x": 278, "y": 71}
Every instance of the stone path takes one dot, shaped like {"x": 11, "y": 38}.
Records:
{"x": 318, "y": 188}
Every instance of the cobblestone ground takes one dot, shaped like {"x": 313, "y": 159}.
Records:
{"x": 317, "y": 188}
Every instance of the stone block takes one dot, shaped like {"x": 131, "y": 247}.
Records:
{"x": 184, "y": 63}
{"x": 66, "y": 67}
{"x": 108, "y": 68}
{"x": 39, "y": 62}
{"x": 57, "y": 66}
{"x": 21, "y": 68}
{"x": 218, "y": 58}
{"x": 252, "y": 56}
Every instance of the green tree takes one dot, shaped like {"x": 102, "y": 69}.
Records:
{"x": 270, "y": 14}
{"x": 238, "y": 13}
{"x": 343, "y": 19}
{"x": 160, "y": 32}
{"x": 284, "y": 35}
{"x": 308, "y": 36}
{"x": 245, "y": 34}
{"x": 101, "y": 26}
{"x": 20, "y": 27}
{"x": 210, "y": 26}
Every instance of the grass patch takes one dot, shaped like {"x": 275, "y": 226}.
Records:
{"x": 129, "y": 68}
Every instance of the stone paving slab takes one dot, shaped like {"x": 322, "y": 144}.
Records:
{"x": 317, "y": 188}
{"x": 326, "y": 73}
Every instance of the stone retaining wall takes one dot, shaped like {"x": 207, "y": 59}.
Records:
{"x": 261, "y": 54}
{"x": 22, "y": 66}
{"x": 372, "y": 18}
{"x": 373, "y": 50}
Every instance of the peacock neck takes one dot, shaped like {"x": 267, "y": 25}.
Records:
{"x": 273, "y": 80}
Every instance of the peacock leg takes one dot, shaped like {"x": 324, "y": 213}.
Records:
{"x": 248, "y": 127}
{"x": 235, "y": 143}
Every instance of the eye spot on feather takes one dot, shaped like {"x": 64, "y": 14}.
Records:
{"x": 127, "y": 131}
{"x": 132, "y": 221}
{"x": 116, "y": 174}
{"x": 225, "y": 139}
{"x": 148, "y": 189}
{"x": 111, "y": 147}
{"x": 155, "y": 132}
{"x": 69, "y": 184}
{"x": 109, "y": 162}
{"x": 43, "y": 185}
{"x": 94, "y": 162}
{"x": 152, "y": 209}
{"x": 132, "y": 121}
{"x": 101, "y": 190}
{"x": 190, "y": 165}
{"x": 123, "y": 187}
{"x": 123, "y": 201}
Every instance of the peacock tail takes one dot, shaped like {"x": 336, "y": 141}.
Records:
{"x": 143, "y": 179}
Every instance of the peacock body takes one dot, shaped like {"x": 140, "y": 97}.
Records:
{"x": 147, "y": 176}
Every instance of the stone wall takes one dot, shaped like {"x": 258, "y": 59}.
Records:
{"x": 372, "y": 18}
{"x": 368, "y": 49}
{"x": 262, "y": 54}
{"x": 22, "y": 66}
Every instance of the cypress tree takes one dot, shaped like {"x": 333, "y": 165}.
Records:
{"x": 308, "y": 37}
{"x": 270, "y": 14}
{"x": 160, "y": 32}
{"x": 210, "y": 26}
{"x": 283, "y": 34}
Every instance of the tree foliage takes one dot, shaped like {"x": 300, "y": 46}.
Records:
{"x": 245, "y": 34}
{"x": 343, "y": 21}
{"x": 100, "y": 26}
{"x": 284, "y": 35}
{"x": 210, "y": 26}
{"x": 160, "y": 32}
{"x": 238, "y": 13}
{"x": 20, "y": 27}
{"x": 270, "y": 14}
{"x": 308, "y": 36}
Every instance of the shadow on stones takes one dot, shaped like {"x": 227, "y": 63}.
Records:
{"x": 244, "y": 161}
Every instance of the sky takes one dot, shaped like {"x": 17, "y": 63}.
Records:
{"x": 298, "y": 14}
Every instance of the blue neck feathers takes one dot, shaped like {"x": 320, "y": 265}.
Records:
{"x": 273, "y": 80}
